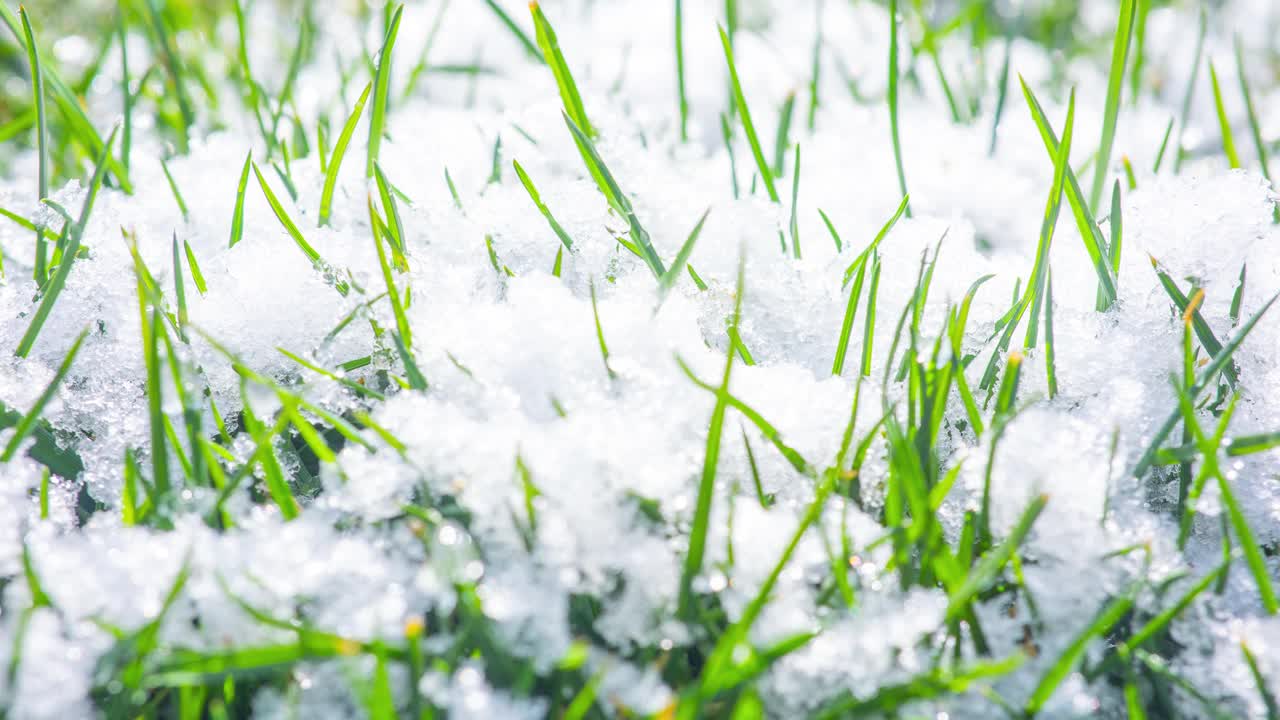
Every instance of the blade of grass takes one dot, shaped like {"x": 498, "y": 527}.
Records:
{"x": 617, "y": 198}
{"x": 292, "y": 229}
{"x": 711, "y": 458}
{"x": 196, "y": 276}
{"x": 1228, "y": 141}
{"x": 892, "y": 97}
{"x": 542, "y": 207}
{"x": 339, "y": 152}
{"x": 516, "y": 30}
{"x": 42, "y": 134}
{"x": 72, "y": 249}
{"x": 1115, "y": 86}
{"x": 237, "y": 215}
{"x": 681, "y": 95}
{"x": 1058, "y": 671}
{"x": 28, "y": 421}
{"x": 1202, "y": 381}
{"x": 381, "y": 90}
{"x": 569, "y": 95}
{"x": 748, "y": 127}
{"x": 669, "y": 278}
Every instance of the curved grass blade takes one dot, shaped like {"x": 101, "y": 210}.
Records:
{"x": 237, "y": 215}
{"x": 766, "y": 174}
{"x": 554, "y": 58}
{"x": 668, "y": 279}
{"x": 28, "y": 421}
{"x": 1228, "y": 141}
{"x": 542, "y": 207}
{"x": 1115, "y": 85}
{"x": 339, "y": 152}
{"x": 292, "y": 228}
{"x": 892, "y": 97}
{"x": 381, "y": 88}
{"x": 72, "y": 248}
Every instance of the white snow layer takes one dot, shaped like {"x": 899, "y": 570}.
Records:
{"x": 515, "y": 367}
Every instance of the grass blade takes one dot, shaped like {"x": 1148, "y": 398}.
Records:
{"x": 339, "y": 152}
{"x": 1065, "y": 663}
{"x": 893, "y": 99}
{"x": 237, "y": 215}
{"x": 72, "y": 248}
{"x": 668, "y": 279}
{"x": 381, "y": 90}
{"x": 1115, "y": 85}
{"x": 560, "y": 69}
{"x": 28, "y": 421}
{"x": 542, "y": 208}
{"x": 741, "y": 103}
{"x": 1228, "y": 141}
{"x": 292, "y": 228}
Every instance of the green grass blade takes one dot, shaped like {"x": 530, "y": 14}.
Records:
{"x": 1185, "y": 111}
{"x": 1249, "y": 543}
{"x": 892, "y": 97}
{"x": 1255, "y": 129}
{"x": 196, "y": 276}
{"x": 1228, "y": 141}
{"x": 711, "y": 458}
{"x": 292, "y": 228}
{"x": 669, "y": 278}
{"x": 681, "y": 95}
{"x": 1115, "y": 85}
{"x": 1094, "y": 243}
{"x": 1066, "y": 662}
{"x": 339, "y": 152}
{"x": 782, "y": 139}
{"x": 741, "y": 103}
{"x": 237, "y": 215}
{"x": 1268, "y": 699}
{"x": 546, "y": 36}
{"x": 795, "y": 205}
{"x": 542, "y": 207}
{"x": 1202, "y": 381}
{"x": 59, "y": 280}
{"x": 37, "y": 91}
{"x": 381, "y": 91}
{"x": 28, "y": 421}
{"x": 510, "y": 24}
{"x": 173, "y": 187}
{"x": 616, "y": 197}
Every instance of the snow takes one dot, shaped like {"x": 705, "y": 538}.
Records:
{"x": 502, "y": 353}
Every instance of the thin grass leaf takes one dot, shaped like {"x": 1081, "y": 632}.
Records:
{"x": 340, "y": 152}
{"x": 748, "y": 127}
{"x": 381, "y": 92}
{"x": 1202, "y": 381}
{"x": 542, "y": 208}
{"x": 516, "y": 31}
{"x": 1268, "y": 699}
{"x": 292, "y": 229}
{"x": 1193, "y": 76}
{"x": 706, "y": 486}
{"x": 196, "y": 276}
{"x": 782, "y": 139}
{"x": 173, "y": 187}
{"x": 681, "y": 95}
{"x": 237, "y": 215}
{"x": 669, "y": 278}
{"x": 71, "y": 250}
{"x": 1115, "y": 85}
{"x": 1255, "y": 128}
{"x": 1228, "y": 141}
{"x": 1094, "y": 243}
{"x": 1063, "y": 666}
{"x": 1252, "y": 551}
{"x": 550, "y": 45}
{"x": 892, "y": 97}
{"x": 28, "y": 421}
{"x": 617, "y": 198}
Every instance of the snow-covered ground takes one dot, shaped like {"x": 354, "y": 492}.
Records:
{"x": 522, "y": 524}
